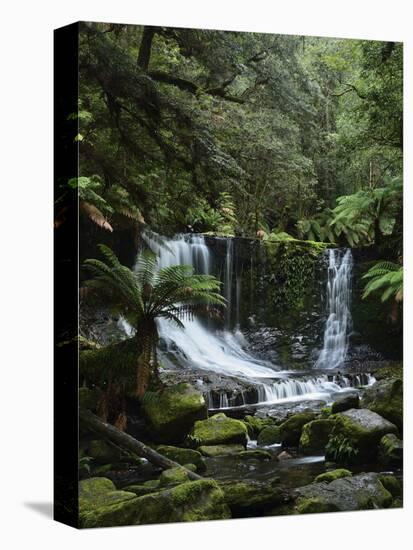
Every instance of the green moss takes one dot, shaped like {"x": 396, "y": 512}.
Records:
{"x": 182, "y": 456}
{"x": 141, "y": 490}
{"x": 173, "y": 476}
{"x": 191, "y": 501}
{"x": 173, "y": 411}
{"x": 97, "y": 365}
{"x": 314, "y": 505}
{"x": 190, "y": 467}
{"x": 290, "y": 430}
{"x": 99, "y": 491}
{"x": 364, "y": 439}
{"x": 220, "y": 450}
{"x": 89, "y": 398}
{"x": 103, "y": 452}
{"x": 392, "y": 485}
{"x": 218, "y": 430}
{"x": 325, "y": 412}
{"x": 386, "y": 399}
{"x": 315, "y": 434}
{"x": 246, "y": 498}
{"x": 391, "y": 450}
{"x": 269, "y": 436}
{"x": 255, "y": 425}
{"x": 332, "y": 475}
{"x": 392, "y": 371}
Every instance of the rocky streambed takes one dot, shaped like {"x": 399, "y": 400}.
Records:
{"x": 264, "y": 461}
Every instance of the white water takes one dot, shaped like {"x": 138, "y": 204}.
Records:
{"x": 198, "y": 346}
{"x": 338, "y": 325}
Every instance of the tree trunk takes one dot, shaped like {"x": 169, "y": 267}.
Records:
{"x": 145, "y": 48}
{"x": 126, "y": 441}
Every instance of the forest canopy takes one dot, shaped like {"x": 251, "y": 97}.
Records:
{"x": 240, "y": 133}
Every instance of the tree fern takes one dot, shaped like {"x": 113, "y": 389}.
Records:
{"x": 146, "y": 294}
{"x": 386, "y": 277}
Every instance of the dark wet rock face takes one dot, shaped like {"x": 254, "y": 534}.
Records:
{"x": 345, "y": 402}
{"x": 363, "y": 429}
{"x": 360, "y": 492}
{"x": 315, "y": 435}
{"x": 386, "y": 398}
{"x": 391, "y": 450}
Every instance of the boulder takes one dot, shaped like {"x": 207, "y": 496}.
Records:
{"x": 269, "y": 436}
{"x": 219, "y": 430}
{"x": 103, "y": 452}
{"x": 183, "y": 456}
{"x": 99, "y": 492}
{"x": 220, "y": 450}
{"x": 360, "y": 492}
{"x": 345, "y": 402}
{"x": 255, "y": 425}
{"x": 392, "y": 484}
{"x": 315, "y": 434}
{"x": 332, "y": 475}
{"x": 192, "y": 501}
{"x": 250, "y": 497}
{"x": 290, "y": 430}
{"x": 391, "y": 450}
{"x": 174, "y": 411}
{"x": 173, "y": 476}
{"x": 284, "y": 455}
{"x": 363, "y": 429}
{"x": 151, "y": 486}
{"x": 385, "y": 398}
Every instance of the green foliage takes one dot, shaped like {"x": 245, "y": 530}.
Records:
{"x": 84, "y": 464}
{"x": 146, "y": 294}
{"x": 385, "y": 277}
{"x": 340, "y": 449}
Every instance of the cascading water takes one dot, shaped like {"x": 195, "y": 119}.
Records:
{"x": 199, "y": 346}
{"x": 338, "y": 325}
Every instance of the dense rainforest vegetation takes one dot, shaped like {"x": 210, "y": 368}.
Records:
{"x": 239, "y": 132}
{"x": 254, "y": 171}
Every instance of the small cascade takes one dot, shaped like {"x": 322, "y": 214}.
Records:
{"x": 338, "y": 324}
{"x": 320, "y": 388}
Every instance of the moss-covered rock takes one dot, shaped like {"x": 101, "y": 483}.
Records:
{"x": 140, "y": 490}
{"x": 391, "y": 371}
{"x": 89, "y": 398}
{"x": 315, "y": 434}
{"x": 219, "y": 430}
{"x": 183, "y": 456}
{"x": 173, "y": 476}
{"x": 173, "y": 413}
{"x": 191, "y": 501}
{"x": 385, "y": 398}
{"x": 255, "y": 425}
{"x": 363, "y": 429}
{"x": 103, "y": 452}
{"x": 249, "y": 497}
{"x": 332, "y": 475}
{"x": 290, "y": 430}
{"x": 315, "y": 505}
{"x": 391, "y": 450}
{"x": 360, "y": 492}
{"x": 97, "y": 492}
{"x": 345, "y": 402}
{"x": 220, "y": 450}
{"x": 392, "y": 484}
{"x": 269, "y": 436}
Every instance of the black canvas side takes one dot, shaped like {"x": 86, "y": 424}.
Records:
{"x": 66, "y": 280}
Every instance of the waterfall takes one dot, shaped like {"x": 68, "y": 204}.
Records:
{"x": 338, "y": 324}
{"x": 228, "y": 280}
{"x": 222, "y": 351}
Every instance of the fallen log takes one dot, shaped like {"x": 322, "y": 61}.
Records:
{"x": 126, "y": 441}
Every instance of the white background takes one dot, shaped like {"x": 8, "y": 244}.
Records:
{"x": 26, "y": 270}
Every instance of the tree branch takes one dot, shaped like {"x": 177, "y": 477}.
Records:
{"x": 126, "y": 441}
